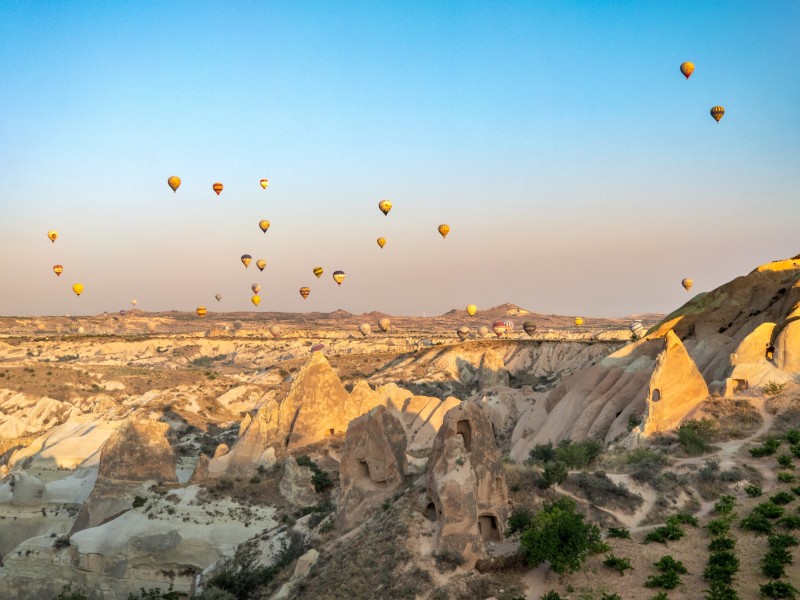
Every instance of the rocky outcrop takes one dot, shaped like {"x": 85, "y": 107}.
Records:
{"x": 296, "y": 486}
{"x": 373, "y": 465}
{"x": 200, "y": 473}
{"x": 466, "y": 487}
{"x": 138, "y": 451}
{"x": 676, "y": 388}
{"x": 491, "y": 371}
{"x": 786, "y": 347}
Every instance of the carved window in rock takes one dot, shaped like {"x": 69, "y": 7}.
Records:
{"x": 430, "y": 512}
{"x": 656, "y": 395}
{"x": 464, "y": 429}
{"x": 487, "y": 527}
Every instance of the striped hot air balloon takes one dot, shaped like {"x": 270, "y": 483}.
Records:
{"x": 201, "y": 311}
{"x": 529, "y": 327}
{"x": 246, "y": 258}
{"x": 502, "y": 328}
{"x": 717, "y": 112}
{"x": 318, "y": 272}
{"x": 304, "y": 292}
{"x": 338, "y": 277}
{"x": 217, "y": 187}
{"x": 58, "y": 269}
{"x": 636, "y": 329}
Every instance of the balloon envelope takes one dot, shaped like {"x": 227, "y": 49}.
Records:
{"x": 529, "y": 327}
{"x": 384, "y": 324}
{"x": 58, "y": 269}
{"x": 381, "y": 242}
{"x": 264, "y": 183}
{"x": 364, "y": 328}
{"x": 218, "y": 297}
{"x": 256, "y": 287}
{"x": 261, "y": 263}
{"x": 472, "y": 310}
{"x": 201, "y": 311}
{"x": 579, "y": 321}
{"x": 444, "y": 229}
{"x": 317, "y": 347}
{"x": 717, "y": 112}
{"x": 52, "y": 235}
{"x": 246, "y": 258}
{"x": 385, "y": 206}
{"x": 483, "y": 331}
{"x": 304, "y": 292}
{"x": 275, "y": 330}
{"x": 78, "y": 288}
{"x": 263, "y": 225}
{"x": 636, "y": 328}
{"x": 174, "y": 182}
{"x": 134, "y": 302}
{"x": 318, "y": 272}
{"x": 463, "y": 333}
{"x": 687, "y": 284}
{"x": 687, "y": 69}
{"x": 256, "y": 300}
{"x": 502, "y": 327}
{"x": 338, "y": 277}
{"x": 217, "y": 187}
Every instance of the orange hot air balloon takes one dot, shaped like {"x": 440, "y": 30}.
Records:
{"x": 471, "y": 310}
{"x": 256, "y": 300}
{"x": 264, "y": 183}
{"x": 201, "y": 311}
{"x": 263, "y": 225}
{"x": 304, "y": 292}
{"x": 502, "y": 328}
{"x": 217, "y": 187}
{"x": 261, "y": 263}
{"x": 174, "y": 182}
{"x": 385, "y": 206}
{"x": 381, "y": 242}
{"x": 338, "y": 277}
{"x": 78, "y": 289}
{"x": 52, "y": 236}
{"x": 444, "y": 229}
{"x": 318, "y": 272}
{"x": 717, "y": 112}
{"x": 687, "y": 284}
{"x": 687, "y": 69}
{"x": 58, "y": 269}
{"x": 246, "y": 258}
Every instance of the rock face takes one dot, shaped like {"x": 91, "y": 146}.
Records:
{"x": 296, "y": 486}
{"x": 138, "y": 451}
{"x": 373, "y": 465}
{"x": 492, "y": 370}
{"x": 200, "y": 473}
{"x": 467, "y": 490}
{"x": 676, "y": 388}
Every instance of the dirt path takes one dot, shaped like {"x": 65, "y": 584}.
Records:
{"x": 534, "y": 581}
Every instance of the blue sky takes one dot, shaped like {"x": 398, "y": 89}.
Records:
{"x": 579, "y": 171}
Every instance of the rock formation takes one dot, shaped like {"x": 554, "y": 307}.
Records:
{"x": 373, "y": 465}
{"x": 296, "y": 486}
{"x": 492, "y": 370}
{"x": 467, "y": 490}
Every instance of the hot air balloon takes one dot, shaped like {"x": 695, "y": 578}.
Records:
{"x": 529, "y": 327}
{"x": 122, "y": 313}
{"x": 384, "y": 324}
{"x": 687, "y": 69}
{"x": 263, "y": 225}
{"x": 237, "y": 325}
{"x": 381, "y": 242}
{"x": 472, "y": 310}
{"x": 717, "y": 113}
{"x": 687, "y": 284}
{"x": 134, "y": 302}
{"x": 58, "y": 269}
{"x": 304, "y": 292}
{"x": 151, "y": 327}
{"x": 364, "y": 328}
{"x": 218, "y": 297}
{"x": 246, "y": 258}
{"x": 338, "y": 277}
{"x": 502, "y": 327}
{"x": 52, "y": 235}
{"x": 256, "y": 300}
{"x": 256, "y": 287}
{"x": 463, "y": 333}
{"x": 77, "y": 288}
{"x": 201, "y": 311}
{"x": 318, "y": 272}
{"x": 578, "y": 321}
{"x": 261, "y": 263}
{"x": 444, "y": 229}
{"x": 385, "y": 206}
{"x": 275, "y": 330}
{"x": 217, "y": 187}
{"x": 264, "y": 183}
{"x": 317, "y": 347}
{"x": 636, "y": 328}
{"x": 483, "y": 331}
{"x": 174, "y": 182}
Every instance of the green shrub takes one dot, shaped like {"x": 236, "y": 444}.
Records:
{"x": 615, "y": 562}
{"x": 669, "y": 532}
{"x": 725, "y": 504}
{"x": 554, "y": 473}
{"x": 785, "y": 461}
{"x": 543, "y": 453}
{"x": 683, "y": 519}
{"x": 767, "y": 448}
{"x": 782, "y": 540}
{"x": 578, "y": 455}
{"x": 717, "y": 590}
{"x": 721, "y": 543}
{"x": 796, "y": 490}
{"x": 793, "y": 436}
{"x": 619, "y": 532}
{"x": 789, "y": 522}
{"x": 772, "y": 388}
{"x": 669, "y": 580}
{"x": 519, "y": 521}
{"x": 551, "y": 595}
{"x": 756, "y": 523}
{"x": 139, "y": 501}
{"x": 660, "y": 596}
{"x": 559, "y": 534}
{"x": 154, "y": 594}
{"x": 695, "y": 436}
{"x": 668, "y": 564}
{"x": 772, "y": 565}
{"x": 769, "y": 510}
{"x": 753, "y": 491}
{"x": 782, "y": 498}
{"x": 67, "y": 593}
{"x": 779, "y": 589}
{"x": 608, "y": 596}
{"x": 786, "y": 477}
{"x": 722, "y": 566}
{"x": 719, "y": 526}
{"x": 448, "y": 560}
{"x": 795, "y": 450}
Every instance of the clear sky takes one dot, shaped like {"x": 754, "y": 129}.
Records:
{"x": 579, "y": 171}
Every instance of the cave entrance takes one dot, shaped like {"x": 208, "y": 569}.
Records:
{"x": 430, "y": 512}
{"x": 487, "y": 527}
{"x": 656, "y": 395}
{"x": 363, "y": 470}
{"x": 770, "y": 352}
{"x": 464, "y": 429}
{"x": 740, "y": 385}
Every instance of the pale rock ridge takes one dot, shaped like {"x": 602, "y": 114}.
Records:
{"x": 373, "y": 465}
{"x": 675, "y": 389}
{"x": 466, "y": 487}
{"x": 492, "y": 370}
{"x": 296, "y": 486}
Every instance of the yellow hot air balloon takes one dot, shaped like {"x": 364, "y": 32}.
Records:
{"x": 77, "y": 288}
{"x": 687, "y": 284}
{"x": 246, "y": 258}
{"x": 318, "y": 272}
{"x": 264, "y": 183}
{"x": 381, "y": 242}
{"x": 687, "y": 69}
{"x": 717, "y": 113}
{"x": 58, "y": 269}
{"x": 385, "y": 206}
{"x": 444, "y": 229}
{"x": 304, "y": 292}
{"x": 471, "y": 310}
{"x": 256, "y": 300}
{"x": 264, "y": 225}
{"x": 201, "y": 311}
{"x": 52, "y": 235}
{"x": 174, "y": 182}
{"x": 261, "y": 263}
{"x": 338, "y": 277}
{"x": 217, "y": 187}
{"x": 579, "y": 321}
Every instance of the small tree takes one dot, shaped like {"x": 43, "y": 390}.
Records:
{"x": 554, "y": 473}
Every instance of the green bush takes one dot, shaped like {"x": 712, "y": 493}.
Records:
{"x": 722, "y": 566}
{"x": 721, "y": 543}
{"x": 448, "y": 560}
{"x": 551, "y": 595}
{"x": 668, "y": 564}
{"x": 756, "y": 523}
{"x": 154, "y": 594}
{"x": 695, "y": 436}
{"x": 660, "y": 596}
{"x": 796, "y": 490}
{"x": 683, "y": 519}
{"x": 786, "y": 477}
{"x": 669, "y": 581}
{"x": 519, "y": 520}
{"x": 767, "y": 448}
{"x": 779, "y": 589}
{"x": 67, "y": 593}
{"x": 669, "y": 532}
{"x": 619, "y": 532}
{"x": 717, "y": 590}
{"x": 789, "y": 522}
{"x": 793, "y": 436}
{"x": 772, "y": 565}
{"x": 785, "y": 461}
{"x": 769, "y": 510}
{"x": 719, "y": 526}
{"x": 608, "y": 596}
{"x": 139, "y": 501}
{"x": 543, "y": 453}
{"x": 772, "y": 388}
{"x": 559, "y": 534}
{"x": 646, "y": 464}
{"x": 578, "y": 455}
{"x": 795, "y": 450}
{"x": 782, "y": 540}
{"x": 753, "y": 491}
{"x": 555, "y": 473}
{"x": 615, "y": 562}
{"x": 725, "y": 504}
{"x": 782, "y": 498}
